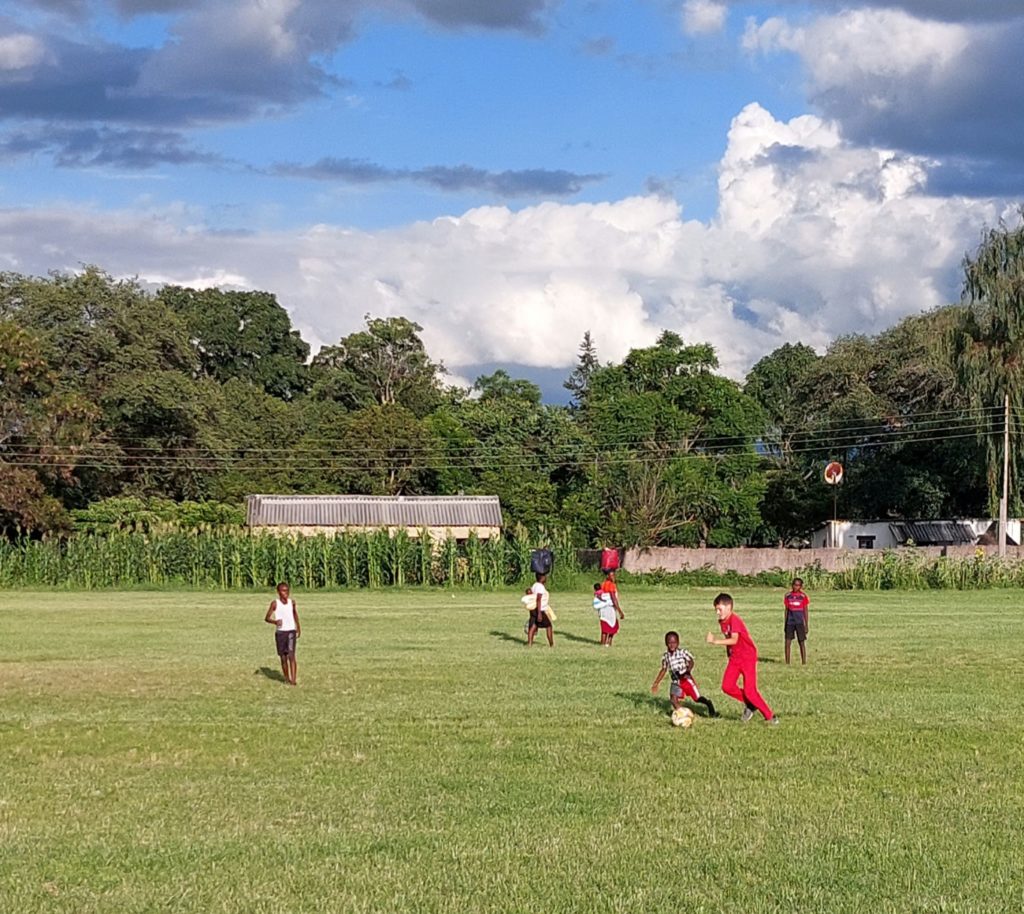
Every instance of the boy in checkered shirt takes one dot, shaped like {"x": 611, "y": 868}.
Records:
{"x": 678, "y": 664}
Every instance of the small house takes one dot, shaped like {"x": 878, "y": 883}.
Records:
{"x": 887, "y": 534}
{"x": 439, "y": 515}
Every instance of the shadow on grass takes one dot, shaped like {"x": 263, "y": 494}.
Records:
{"x": 276, "y": 675}
{"x": 767, "y": 660}
{"x": 643, "y": 700}
{"x": 505, "y": 636}
{"x": 569, "y": 636}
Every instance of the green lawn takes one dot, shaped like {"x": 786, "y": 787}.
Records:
{"x": 429, "y": 762}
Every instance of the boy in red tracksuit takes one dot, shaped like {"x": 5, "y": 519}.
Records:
{"x": 742, "y": 655}
{"x": 797, "y": 621}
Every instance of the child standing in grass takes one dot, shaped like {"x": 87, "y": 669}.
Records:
{"x": 284, "y": 616}
{"x": 742, "y": 654}
{"x": 797, "y": 621}
{"x": 679, "y": 665}
{"x": 540, "y": 615}
{"x": 607, "y": 613}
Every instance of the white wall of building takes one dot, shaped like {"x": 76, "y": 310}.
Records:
{"x": 847, "y": 534}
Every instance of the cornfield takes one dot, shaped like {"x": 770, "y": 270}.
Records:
{"x": 232, "y": 559}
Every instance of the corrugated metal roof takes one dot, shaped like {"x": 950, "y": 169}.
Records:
{"x": 373, "y": 511}
{"x": 934, "y": 533}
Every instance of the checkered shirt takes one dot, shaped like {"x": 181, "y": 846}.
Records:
{"x": 678, "y": 663}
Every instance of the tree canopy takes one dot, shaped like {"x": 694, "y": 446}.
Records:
{"x": 110, "y": 392}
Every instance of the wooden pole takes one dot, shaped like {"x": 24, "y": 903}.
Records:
{"x": 1004, "y": 502}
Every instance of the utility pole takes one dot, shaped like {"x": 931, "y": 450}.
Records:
{"x": 1004, "y": 502}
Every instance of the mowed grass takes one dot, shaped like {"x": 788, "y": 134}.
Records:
{"x": 429, "y": 762}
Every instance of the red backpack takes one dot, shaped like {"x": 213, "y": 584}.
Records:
{"x": 609, "y": 559}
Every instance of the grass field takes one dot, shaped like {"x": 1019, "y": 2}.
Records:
{"x": 429, "y": 762}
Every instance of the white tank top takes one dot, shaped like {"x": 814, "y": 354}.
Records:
{"x": 284, "y": 612}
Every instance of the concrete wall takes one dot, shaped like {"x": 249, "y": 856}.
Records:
{"x": 753, "y": 561}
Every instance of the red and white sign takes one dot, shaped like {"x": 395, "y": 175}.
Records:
{"x": 834, "y": 473}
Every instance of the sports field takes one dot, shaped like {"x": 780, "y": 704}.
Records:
{"x": 429, "y": 762}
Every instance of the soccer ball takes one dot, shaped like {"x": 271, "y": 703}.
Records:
{"x": 682, "y": 717}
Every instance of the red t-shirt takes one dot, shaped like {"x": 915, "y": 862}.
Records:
{"x": 744, "y": 649}
{"x": 797, "y": 602}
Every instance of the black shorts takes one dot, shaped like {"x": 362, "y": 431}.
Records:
{"x": 539, "y": 619}
{"x": 797, "y": 628}
{"x": 285, "y": 643}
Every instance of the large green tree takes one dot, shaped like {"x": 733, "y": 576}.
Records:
{"x": 242, "y": 335}
{"x": 674, "y": 458}
{"x": 43, "y": 433}
{"x": 986, "y": 347}
{"x": 384, "y": 365}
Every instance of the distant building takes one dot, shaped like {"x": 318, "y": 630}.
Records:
{"x": 310, "y": 515}
{"x": 878, "y": 534}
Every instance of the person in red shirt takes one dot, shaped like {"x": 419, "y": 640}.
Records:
{"x": 797, "y": 620}
{"x": 742, "y": 654}
{"x": 609, "y": 587}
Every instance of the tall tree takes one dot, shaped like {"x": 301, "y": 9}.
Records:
{"x": 243, "y": 335}
{"x": 578, "y": 383}
{"x": 43, "y": 431}
{"x": 674, "y": 446}
{"x": 384, "y": 365}
{"x": 986, "y": 347}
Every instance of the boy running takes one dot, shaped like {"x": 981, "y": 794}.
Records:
{"x": 284, "y": 616}
{"x": 742, "y": 656}
{"x": 797, "y": 620}
{"x": 679, "y": 665}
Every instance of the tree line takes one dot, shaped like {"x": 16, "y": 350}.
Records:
{"x": 110, "y": 392}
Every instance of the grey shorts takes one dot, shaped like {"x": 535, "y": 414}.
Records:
{"x": 285, "y": 643}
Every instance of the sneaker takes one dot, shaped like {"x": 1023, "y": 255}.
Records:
{"x": 748, "y": 715}
{"x": 772, "y": 721}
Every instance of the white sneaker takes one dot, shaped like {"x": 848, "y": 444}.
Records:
{"x": 748, "y": 715}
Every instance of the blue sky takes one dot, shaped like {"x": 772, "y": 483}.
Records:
{"x": 744, "y": 173}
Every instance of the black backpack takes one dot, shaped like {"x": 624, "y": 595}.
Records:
{"x": 541, "y": 561}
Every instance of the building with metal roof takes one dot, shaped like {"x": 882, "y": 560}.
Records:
{"x": 887, "y": 534}
{"x": 439, "y": 515}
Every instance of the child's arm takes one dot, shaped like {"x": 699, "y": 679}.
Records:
{"x": 657, "y": 681}
{"x": 723, "y": 642}
{"x": 807, "y": 616}
{"x": 269, "y": 617}
{"x": 298, "y": 624}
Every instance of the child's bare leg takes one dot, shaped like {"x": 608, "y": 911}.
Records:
{"x": 530, "y": 635}
{"x": 284, "y": 666}
{"x": 789, "y": 645}
{"x": 292, "y": 668}
{"x": 551, "y": 636}
{"x": 803, "y": 653}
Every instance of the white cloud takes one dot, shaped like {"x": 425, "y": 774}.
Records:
{"x": 703, "y": 17}
{"x": 814, "y": 238}
{"x": 20, "y": 51}
{"x": 943, "y": 89}
{"x": 884, "y": 43}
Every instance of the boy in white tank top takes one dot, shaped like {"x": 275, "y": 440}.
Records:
{"x": 284, "y": 616}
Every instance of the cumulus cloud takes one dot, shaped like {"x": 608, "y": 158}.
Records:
{"x": 814, "y": 237}
{"x": 940, "y": 10}
{"x": 18, "y": 52}
{"x": 942, "y": 89}
{"x": 702, "y": 17}
{"x": 536, "y": 182}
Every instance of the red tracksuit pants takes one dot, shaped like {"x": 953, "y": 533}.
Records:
{"x": 734, "y": 669}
